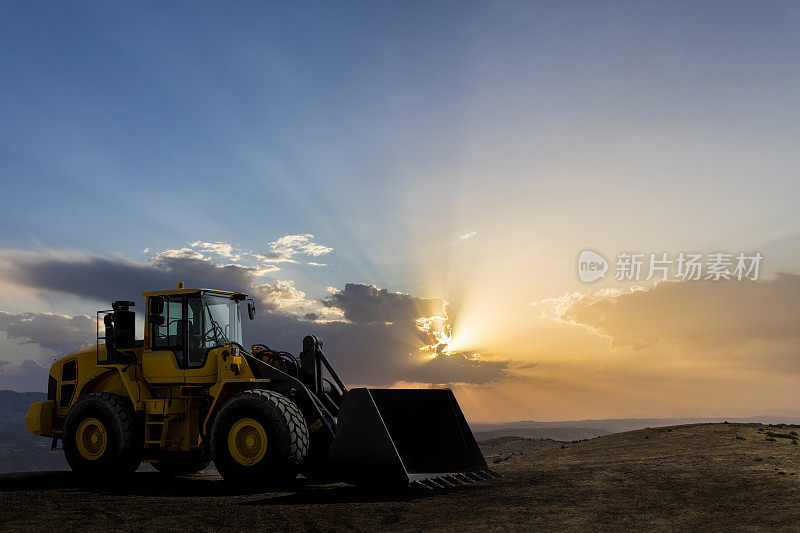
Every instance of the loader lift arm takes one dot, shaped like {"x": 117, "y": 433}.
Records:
{"x": 386, "y": 436}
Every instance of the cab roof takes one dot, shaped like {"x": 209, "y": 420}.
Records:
{"x": 172, "y": 292}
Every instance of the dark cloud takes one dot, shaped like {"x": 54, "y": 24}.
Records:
{"x": 59, "y": 333}
{"x": 106, "y": 280}
{"x": 719, "y": 312}
{"x": 459, "y": 367}
{"x": 367, "y": 303}
{"x": 381, "y": 344}
{"x": 375, "y": 353}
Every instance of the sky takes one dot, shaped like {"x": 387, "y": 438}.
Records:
{"x": 414, "y": 182}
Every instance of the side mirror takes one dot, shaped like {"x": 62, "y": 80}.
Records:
{"x": 158, "y": 320}
{"x": 251, "y": 309}
{"x": 156, "y": 305}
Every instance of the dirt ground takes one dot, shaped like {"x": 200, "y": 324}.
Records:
{"x": 708, "y": 476}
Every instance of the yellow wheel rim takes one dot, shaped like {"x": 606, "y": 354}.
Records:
{"x": 91, "y": 439}
{"x": 247, "y": 442}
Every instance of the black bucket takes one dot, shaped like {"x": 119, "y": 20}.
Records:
{"x": 403, "y": 436}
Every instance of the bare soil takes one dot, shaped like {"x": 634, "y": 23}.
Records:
{"x": 704, "y": 476}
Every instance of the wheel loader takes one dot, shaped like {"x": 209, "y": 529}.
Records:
{"x": 190, "y": 393}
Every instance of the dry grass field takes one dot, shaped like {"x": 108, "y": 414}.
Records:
{"x": 704, "y": 476}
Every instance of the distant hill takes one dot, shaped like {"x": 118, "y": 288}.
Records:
{"x": 13, "y": 435}
{"x": 19, "y": 450}
{"x": 588, "y": 429}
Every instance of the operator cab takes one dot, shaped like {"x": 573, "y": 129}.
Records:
{"x": 190, "y": 322}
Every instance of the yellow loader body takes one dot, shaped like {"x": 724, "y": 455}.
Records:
{"x": 189, "y": 393}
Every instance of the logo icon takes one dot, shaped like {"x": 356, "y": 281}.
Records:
{"x": 591, "y": 266}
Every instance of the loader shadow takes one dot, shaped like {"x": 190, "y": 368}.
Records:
{"x": 209, "y": 484}
{"x": 150, "y": 484}
{"x": 316, "y": 494}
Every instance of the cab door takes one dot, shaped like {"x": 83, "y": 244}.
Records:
{"x": 201, "y": 357}
{"x": 165, "y": 361}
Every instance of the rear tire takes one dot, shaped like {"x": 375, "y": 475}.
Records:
{"x": 100, "y": 437}
{"x": 182, "y": 463}
{"x": 259, "y": 437}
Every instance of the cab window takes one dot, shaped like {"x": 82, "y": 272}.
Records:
{"x": 195, "y": 324}
{"x": 197, "y": 350}
{"x": 213, "y": 321}
{"x": 169, "y": 336}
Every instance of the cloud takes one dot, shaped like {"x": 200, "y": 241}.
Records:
{"x": 221, "y": 249}
{"x": 284, "y": 297}
{"x": 459, "y": 367}
{"x": 467, "y": 236}
{"x": 179, "y": 253}
{"x": 273, "y": 257}
{"x": 367, "y": 303}
{"x": 280, "y": 295}
{"x": 108, "y": 279}
{"x": 264, "y": 269}
{"x": 290, "y": 245}
{"x": 372, "y": 335}
{"x": 376, "y": 353}
{"x": 282, "y": 250}
{"x": 60, "y": 333}
{"x": 365, "y": 354}
{"x": 399, "y": 325}
{"x": 702, "y": 312}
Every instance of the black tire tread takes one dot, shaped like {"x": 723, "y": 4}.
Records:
{"x": 129, "y": 456}
{"x": 295, "y": 447}
{"x": 298, "y": 429}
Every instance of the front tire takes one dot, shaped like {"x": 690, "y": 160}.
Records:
{"x": 259, "y": 437}
{"x": 100, "y": 437}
